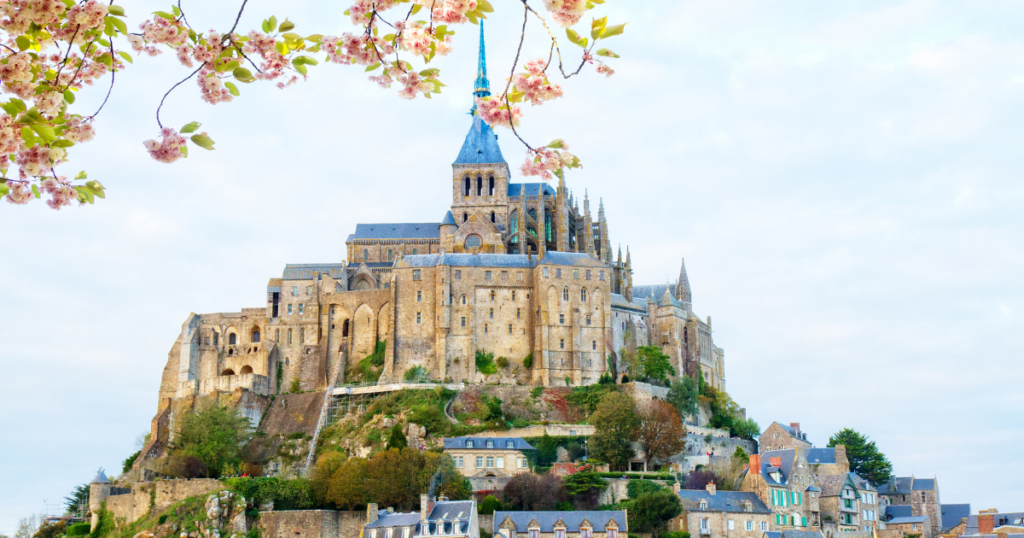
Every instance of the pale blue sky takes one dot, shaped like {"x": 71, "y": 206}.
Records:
{"x": 843, "y": 178}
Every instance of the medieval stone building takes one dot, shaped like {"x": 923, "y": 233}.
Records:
{"x": 516, "y": 270}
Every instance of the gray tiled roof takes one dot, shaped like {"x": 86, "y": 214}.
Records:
{"x": 397, "y": 230}
{"x": 999, "y": 519}
{"x": 721, "y": 501}
{"x": 449, "y": 510}
{"x": 310, "y": 271}
{"x": 398, "y": 519}
{"x": 481, "y": 442}
{"x": 469, "y": 260}
{"x": 953, "y": 513}
{"x": 860, "y": 483}
{"x": 902, "y": 486}
{"x": 820, "y": 455}
{"x": 787, "y": 458}
{"x": 832, "y": 485}
{"x": 570, "y": 258}
{"x": 480, "y": 146}
{"x": 619, "y": 301}
{"x": 598, "y": 519}
{"x": 911, "y": 519}
{"x": 448, "y": 220}
{"x": 924, "y": 484}
{"x": 515, "y": 189}
{"x": 658, "y": 290}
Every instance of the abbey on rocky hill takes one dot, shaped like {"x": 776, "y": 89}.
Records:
{"x": 513, "y": 270}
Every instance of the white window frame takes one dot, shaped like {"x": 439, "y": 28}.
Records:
{"x": 731, "y": 524}
{"x": 479, "y": 462}
{"x": 499, "y": 462}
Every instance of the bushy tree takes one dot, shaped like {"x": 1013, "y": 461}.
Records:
{"x": 78, "y": 497}
{"x": 51, "y": 529}
{"x": 660, "y": 431}
{"x": 396, "y": 439}
{"x": 654, "y": 363}
{"x": 700, "y": 479}
{"x": 583, "y": 489}
{"x": 615, "y": 424}
{"x": 489, "y": 505}
{"x": 651, "y": 512}
{"x": 439, "y": 470}
{"x": 346, "y": 487}
{"x": 527, "y": 491}
{"x": 683, "y": 396}
{"x": 865, "y": 458}
{"x": 391, "y": 477}
{"x": 636, "y": 488}
{"x": 326, "y": 465}
{"x": 207, "y": 440}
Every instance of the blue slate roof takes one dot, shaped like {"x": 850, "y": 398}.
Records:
{"x": 860, "y": 483}
{"x": 598, "y": 519}
{"x": 953, "y": 513}
{"x": 516, "y": 189}
{"x": 397, "y": 230}
{"x": 901, "y": 487}
{"x": 398, "y": 519}
{"x": 899, "y": 510}
{"x": 1000, "y": 519}
{"x": 820, "y": 455}
{"x": 311, "y": 271}
{"x": 481, "y": 442}
{"x": 469, "y": 260}
{"x": 787, "y": 456}
{"x": 570, "y": 258}
{"x": 448, "y": 220}
{"x": 443, "y": 512}
{"x": 924, "y": 484}
{"x": 480, "y": 146}
{"x": 721, "y": 501}
{"x": 658, "y": 290}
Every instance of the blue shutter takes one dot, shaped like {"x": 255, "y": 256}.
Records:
{"x": 804, "y": 522}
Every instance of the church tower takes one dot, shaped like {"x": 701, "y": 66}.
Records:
{"x": 683, "y": 285}
{"x": 480, "y": 178}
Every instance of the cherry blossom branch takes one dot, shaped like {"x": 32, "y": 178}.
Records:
{"x": 515, "y": 63}
{"x": 182, "y": 81}
{"x": 113, "y": 75}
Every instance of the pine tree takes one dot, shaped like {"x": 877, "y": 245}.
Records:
{"x": 865, "y": 458}
{"x": 397, "y": 439}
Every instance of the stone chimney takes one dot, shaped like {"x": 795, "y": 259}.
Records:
{"x": 841, "y": 455}
{"x": 795, "y": 426}
{"x": 371, "y": 513}
{"x": 986, "y": 521}
{"x": 755, "y": 464}
{"x": 426, "y": 505}
{"x": 711, "y": 487}
{"x": 441, "y": 498}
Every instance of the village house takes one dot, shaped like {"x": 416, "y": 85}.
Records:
{"x": 841, "y": 504}
{"x": 902, "y": 520}
{"x": 569, "y": 524}
{"x": 488, "y": 456}
{"x": 828, "y": 461}
{"x": 437, "y": 517}
{"x": 719, "y": 514}
{"x": 783, "y": 481}
{"x": 921, "y": 494}
{"x": 991, "y": 522}
{"x": 779, "y": 437}
{"x": 954, "y": 518}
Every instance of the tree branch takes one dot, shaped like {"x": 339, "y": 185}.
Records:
{"x": 182, "y": 81}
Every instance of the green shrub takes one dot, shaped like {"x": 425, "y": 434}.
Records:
{"x": 207, "y": 441}
{"x": 489, "y": 505}
{"x": 280, "y": 375}
{"x": 293, "y": 494}
{"x": 416, "y": 374}
{"x": 674, "y": 534}
{"x": 636, "y": 488}
{"x": 294, "y": 388}
{"x": 502, "y": 362}
{"x": 537, "y": 392}
{"x": 126, "y": 465}
{"x": 485, "y": 363}
{"x": 377, "y": 357}
{"x": 78, "y": 529}
{"x": 528, "y": 361}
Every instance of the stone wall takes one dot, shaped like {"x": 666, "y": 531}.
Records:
{"x": 488, "y": 483}
{"x": 616, "y": 490}
{"x": 311, "y": 524}
{"x": 161, "y": 493}
{"x": 486, "y": 523}
{"x": 538, "y": 430}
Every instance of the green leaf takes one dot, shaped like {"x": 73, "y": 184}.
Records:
{"x": 19, "y": 104}
{"x": 305, "y": 60}
{"x": 597, "y": 27}
{"x": 190, "y": 127}
{"x": 176, "y": 10}
{"x": 82, "y": 175}
{"x": 184, "y": 151}
{"x": 273, "y": 23}
{"x": 606, "y": 52}
{"x": 429, "y": 72}
{"x": 84, "y": 195}
{"x": 369, "y": 68}
{"x": 613, "y": 30}
{"x": 23, "y": 42}
{"x": 286, "y": 26}
{"x": 266, "y": 27}
{"x": 301, "y": 69}
{"x": 415, "y": 9}
{"x": 556, "y": 144}
{"x": 202, "y": 141}
{"x": 574, "y": 37}
{"x": 44, "y": 131}
{"x": 4, "y": 189}
{"x": 126, "y": 56}
{"x": 35, "y": 191}
{"x": 232, "y": 89}
{"x": 315, "y": 38}
{"x": 9, "y": 108}
{"x": 119, "y": 11}
{"x": 119, "y": 24}
{"x": 62, "y": 144}
{"x": 484, "y": 6}
{"x": 69, "y": 96}
{"x": 242, "y": 74}
{"x": 164, "y": 14}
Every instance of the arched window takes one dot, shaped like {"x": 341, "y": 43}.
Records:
{"x": 463, "y": 299}
{"x": 565, "y": 294}
{"x": 492, "y": 216}
{"x": 366, "y": 255}
{"x": 229, "y": 371}
{"x": 232, "y": 339}
{"x": 479, "y": 186}
{"x": 414, "y": 252}
{"x": 391, "y": 255}
{"x": 465, "y": 217}
{"x": 216, "y": 338}
{"x": 344, "y": 329}
{"x": 256, "y": 335}
{"x": 514, "y": 224}
{"x": 245, "y": 370}
{"x": 302, "y": 335}
{"x": 490, "y": 186}
{"x": 583, "y": 295}
{"x": 465, "y": 190}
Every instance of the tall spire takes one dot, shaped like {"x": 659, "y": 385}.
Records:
{"x": 683, "y": 285}
{"x": 482, "y": 86}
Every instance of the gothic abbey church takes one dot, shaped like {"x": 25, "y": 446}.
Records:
{"x": 516, "y": 270}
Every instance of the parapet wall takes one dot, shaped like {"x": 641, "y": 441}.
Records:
{"x": 311, "y": 524}
{"x": 146, "y": 497}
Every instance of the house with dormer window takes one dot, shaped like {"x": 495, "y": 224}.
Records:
{"x": 437, "y": 517}
{"x": 709, "y": 513}
{"x": 488, "y": 456}
{"x": 786, "y": 484}
{"x": 572, "y": 524}
{"x": 848, "y": 503}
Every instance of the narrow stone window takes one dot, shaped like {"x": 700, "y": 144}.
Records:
{"x": 487, "y": 275}
{"x": 485, "y": 328}
{"x": 458, "y": 275}
{"x": 465, "y": 189}
{"x": 545, "y": 272}
{"x": 588, "y": 274}
{"x": 479, "y": 186}
{"x": 391, "y": 255}
{"x": 300, "y": 308}
{"x": 558, "y": 273}
{"x": 492, "y": 216}
{"x": 490, "y": 188}
{"x": 417, "y": 318}
{"x": 415, "y": 274}
{"x": 309, "y": 290}
{"x": 232, "y": 339}
{"x": 415, "y": 251}
{"x": 561, "y": 319}
{"x": 519, "y": 276}
{"x": 565, "y": 294}
{"x": 302, "y": 336}
{"x": 277, "y": 335}
{"x": 517, "y": 314}
{"x": 492, "y": 296}
{"x": 256, "y": 335}
{"x": 465, "y": 217}
{"x": 575, "y": 274}
{"x": 463, "y": 321}
{"x": 289, "y": 336}
{"x": 588, "y": 320}
{"x": 492, "y": 313}
{"x": 513, "y": 295}
{"x": 419, "y": 296}
{"x": 509, "y": 328}
{"x": 593, "y": 345}
{"x": 216, "y": 338}
{"x": 600, "y": 275}
{"x": 504, "y": 276}
{"x": 561, "y": 344}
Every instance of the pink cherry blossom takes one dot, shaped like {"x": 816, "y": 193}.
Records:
{"x": 494, "y": 112}
{"x": 168, "y": 149}
{"x": 566, "y": 12}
